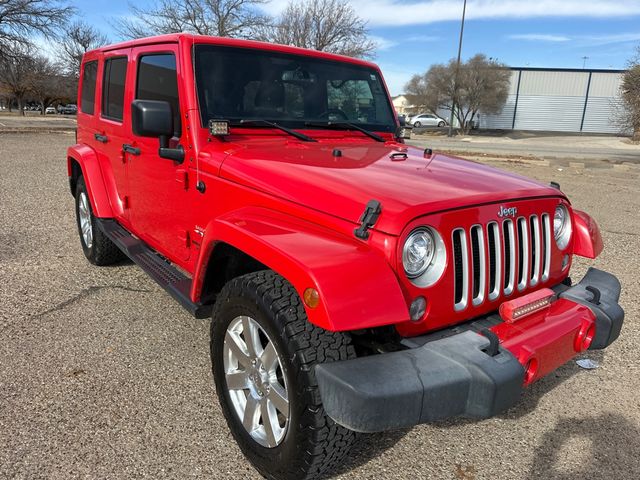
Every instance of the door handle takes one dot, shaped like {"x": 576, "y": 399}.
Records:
{"x": 130, "y": 149}
{"x": 101, "y": 138}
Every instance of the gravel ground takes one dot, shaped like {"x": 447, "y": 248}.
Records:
{"x": 102, "y": 375}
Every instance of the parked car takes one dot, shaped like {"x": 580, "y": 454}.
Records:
{"x": 355, "y": 283}
{"x": 50, "y": 110}
{"x": 427, "y": 120}
{"x": 70, "y": 109}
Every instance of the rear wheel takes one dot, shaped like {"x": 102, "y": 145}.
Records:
{"x": 417, "y": 124}
{"x": 96, "y": 246}
{"x": 264, "y": 352}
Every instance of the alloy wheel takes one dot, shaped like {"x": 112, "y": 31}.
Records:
{"x": 256, "y": 382}
{"x": 84, "y": 214}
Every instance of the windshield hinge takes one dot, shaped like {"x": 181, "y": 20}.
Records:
{"x": 368, "y": 219}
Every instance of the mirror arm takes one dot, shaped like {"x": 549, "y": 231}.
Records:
{"x": 175, "y": 154}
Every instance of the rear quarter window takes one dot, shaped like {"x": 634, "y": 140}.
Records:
{"x": 88, "y": 94}
{"x": 115, "y": 73}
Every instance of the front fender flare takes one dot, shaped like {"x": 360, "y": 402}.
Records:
{"x": 587, "y": 239}
{"x": 358, "y": 289}
{"x": 86, "y": 157}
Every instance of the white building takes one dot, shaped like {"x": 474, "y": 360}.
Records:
{"x": 562, "y": 100}
{"x": 402, "y": 105}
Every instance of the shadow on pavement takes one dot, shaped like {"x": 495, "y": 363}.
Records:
{"x": 604, "y": 447}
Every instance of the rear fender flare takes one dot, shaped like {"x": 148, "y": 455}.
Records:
{"x": 86, "y": 157}
{"x": 357, "y": 287}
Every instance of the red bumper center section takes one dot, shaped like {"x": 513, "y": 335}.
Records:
{"x": 545, "y": 340}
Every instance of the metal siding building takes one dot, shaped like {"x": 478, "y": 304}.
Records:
{"x": 563, "y": 100}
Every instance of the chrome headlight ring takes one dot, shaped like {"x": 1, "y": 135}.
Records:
{"x": 424, "y": 256}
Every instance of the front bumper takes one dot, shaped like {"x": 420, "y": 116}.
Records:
{"x": 465, "y": 373}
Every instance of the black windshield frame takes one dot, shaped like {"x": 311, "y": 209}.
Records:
{"x": 380, "y": 101}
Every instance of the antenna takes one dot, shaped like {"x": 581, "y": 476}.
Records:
{"x": 584, "y": 62}
{"x": 199, "y": 185}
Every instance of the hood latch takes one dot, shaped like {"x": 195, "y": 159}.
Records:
{"x": 368, "y": 219}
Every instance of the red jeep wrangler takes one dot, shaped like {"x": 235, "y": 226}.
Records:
{"x": 355, "y": 284}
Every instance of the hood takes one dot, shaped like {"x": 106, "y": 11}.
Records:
{"x": 407, "y": 187}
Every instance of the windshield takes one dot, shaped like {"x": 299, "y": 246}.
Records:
{"x": 293, "y": 90}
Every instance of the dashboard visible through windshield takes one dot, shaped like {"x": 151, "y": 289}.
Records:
{"x": 294, "y": 90}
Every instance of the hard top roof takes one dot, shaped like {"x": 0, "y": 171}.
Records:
{"x": 231, "y": 42}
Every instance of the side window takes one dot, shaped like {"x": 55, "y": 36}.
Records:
{"x": 115, "y": 73}
{"x": 158, "y": 80}
{"x": 88, "y": 94}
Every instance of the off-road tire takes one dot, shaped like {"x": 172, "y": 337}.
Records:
{"x": 314, "y": 444}
{"x": 102, "y": 250}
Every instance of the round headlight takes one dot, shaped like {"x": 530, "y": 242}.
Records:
{"x": 418, "y": 252}
{"x": 562, "y": 226}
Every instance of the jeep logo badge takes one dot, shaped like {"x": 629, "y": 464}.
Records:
{"x": 507, "y": 212}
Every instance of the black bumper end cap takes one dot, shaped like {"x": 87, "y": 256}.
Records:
{"x": 600, "y": 292}
{"x": 442, "y": 379}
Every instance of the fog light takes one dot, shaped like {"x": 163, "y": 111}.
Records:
{"x": 311, "y": 297}
{"x": 418, "y": 309}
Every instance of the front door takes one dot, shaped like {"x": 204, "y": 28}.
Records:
{"x": 159, "y": 214}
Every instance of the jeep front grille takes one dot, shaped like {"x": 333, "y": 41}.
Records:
{"x": 495, "y": 259}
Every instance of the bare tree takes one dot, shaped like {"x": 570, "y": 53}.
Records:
{"x": 79, "y": 37}
{"x": 631, "y": 96}
{"x": 47, "y": 84}
{"x": 482, "y": 85}
{"x": 325, "y": 25}
{"x": 19, "y": 19}
{"x": 222, "y": 18}
{"x": 15, "y": 73}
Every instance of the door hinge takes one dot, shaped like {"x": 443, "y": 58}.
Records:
{"x": 368, "y": 219}
{"x": 182, "y": 176}
{"x": 185, "y": 237}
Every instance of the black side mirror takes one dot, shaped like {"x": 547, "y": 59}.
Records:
{"x": 153, "y": 118}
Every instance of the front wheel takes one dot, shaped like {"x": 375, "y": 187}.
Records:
{"x": 264, "y": 352}
{"x": 417, "y": 124}
{"x": 441, "y": 124}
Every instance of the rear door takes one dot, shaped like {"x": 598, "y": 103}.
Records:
{"x": 112, "y": 126}
{"x": 159, "y": 213}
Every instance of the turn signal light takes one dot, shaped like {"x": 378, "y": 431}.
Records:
{"x": 311, "y": 297}
{"x": 519, "y": 308}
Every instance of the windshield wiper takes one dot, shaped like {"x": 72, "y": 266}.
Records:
{"x": 347, "y": 125}
{"x": 293, "y": 133}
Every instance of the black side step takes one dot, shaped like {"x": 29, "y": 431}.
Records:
{"x": 176, "y": 283}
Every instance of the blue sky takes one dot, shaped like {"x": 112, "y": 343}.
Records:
{"x": 415, "y": 34}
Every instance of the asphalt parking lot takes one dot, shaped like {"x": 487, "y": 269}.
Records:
{"x": 103, "y": 375}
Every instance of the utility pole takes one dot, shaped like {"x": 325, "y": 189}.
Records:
{"x": 455, "y": 75}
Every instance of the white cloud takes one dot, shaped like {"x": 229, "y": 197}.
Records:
{"x": 597, "y": 40}
{"x": 540, "y": 37}
{"x": 422, "y": 38}
{"x": 382, "y": 43}
{"x": 579, "y": 40}
{"x": 401, "y": 12}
